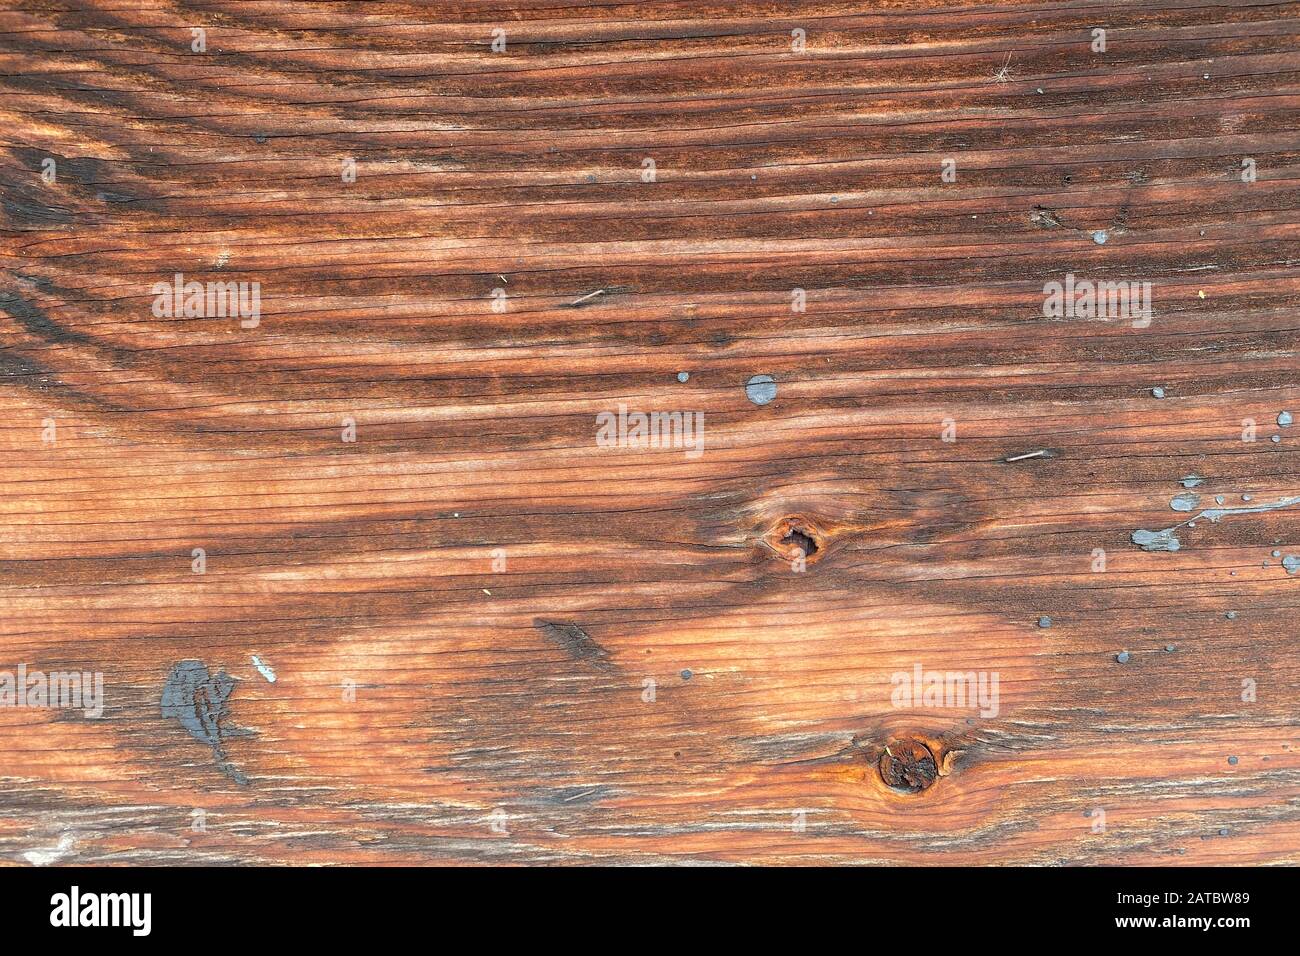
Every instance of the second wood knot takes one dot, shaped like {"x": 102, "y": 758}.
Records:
{"x": 796, "y": 539}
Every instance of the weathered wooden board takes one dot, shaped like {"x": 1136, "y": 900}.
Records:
{"x": 494, "y": 639}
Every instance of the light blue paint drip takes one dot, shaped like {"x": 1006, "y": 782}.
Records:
{"x": 1214, "y": 514}
{"x": 1284, "y": 419}
{"x": 1291, "y": 563}
{"x": 264, "y": 669}
{"x": 1191, "y": 481}
{"x": 1166, "y": 540}
{"x": 1100, "y": 237}
{"x": 1185, "y": 502}
{"x": 1157, "y": 392}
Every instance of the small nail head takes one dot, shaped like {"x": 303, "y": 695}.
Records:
{"x": 761, "y": 389}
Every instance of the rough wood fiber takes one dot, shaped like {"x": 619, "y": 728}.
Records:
{"x": 495, "y": 588}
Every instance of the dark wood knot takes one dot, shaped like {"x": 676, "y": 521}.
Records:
{"x": 908, "y": 766}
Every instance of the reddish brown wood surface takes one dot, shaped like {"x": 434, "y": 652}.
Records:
{"x": 497, "y": 588}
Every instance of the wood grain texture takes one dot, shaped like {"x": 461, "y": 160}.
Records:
{"x": 496, "y": 587}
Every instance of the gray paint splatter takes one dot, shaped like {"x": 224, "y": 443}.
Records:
{"x": 1185, "y": 502}
{"x": 1165, "y": 540}
{"x": 198, "y": 700}
{"x": 761, "y": 389}
{"x": 1291, "y": 563}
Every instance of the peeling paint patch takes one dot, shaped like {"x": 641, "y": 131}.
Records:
{"x": 52, "y": 855}
{"x": 1156, "y": 540}
{"x": 198, "y": 701}
{"x": 1191, "y": 481}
